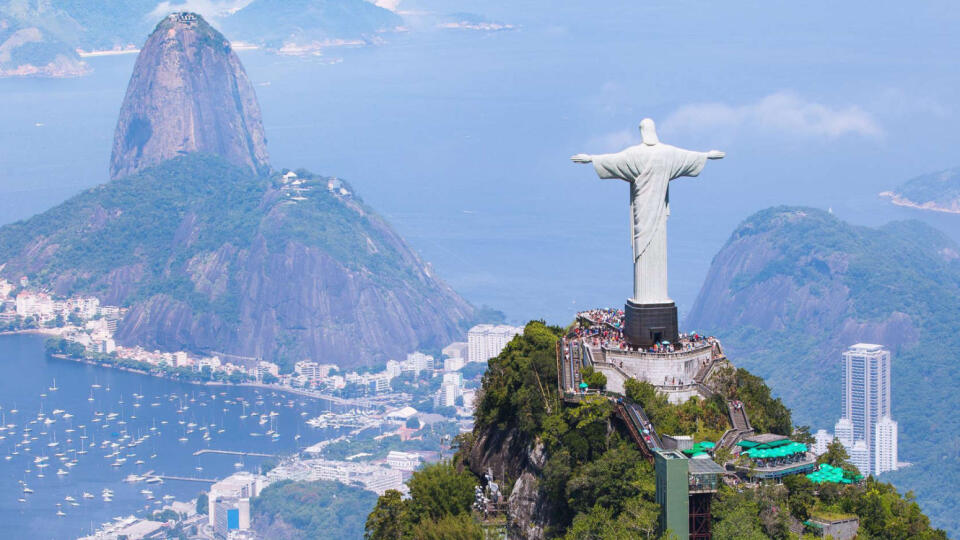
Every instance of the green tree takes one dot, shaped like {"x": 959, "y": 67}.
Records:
{"x": 519, "y": 386}
{"x": 736, "y": 516}
{"x": 801, "y": 498}
{"x": 203, "y": 503}
{"x": 593, "y": 378}
{"x": 639, "y": 518}
{"x": 389, "y": 519}
{"x": 458, "y": 527}
{"x": 597, "y": 524}
{"x": 439, "y": 490}
{"x": 802, "y": 434}
{"x": 619, "y": 474}
{"x": 837, "y": 456}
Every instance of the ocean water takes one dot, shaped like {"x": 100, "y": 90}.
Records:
{"x": 25, "y": 386}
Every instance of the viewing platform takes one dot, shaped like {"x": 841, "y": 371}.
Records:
{"x": 679, "y": 370}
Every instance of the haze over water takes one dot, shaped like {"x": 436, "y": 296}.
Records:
{"x": 28, "y": 373}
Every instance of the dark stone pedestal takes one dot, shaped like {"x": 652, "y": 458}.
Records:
{"x": 646, "y": 324}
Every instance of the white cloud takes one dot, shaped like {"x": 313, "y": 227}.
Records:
{"x": 481, "y": 26}
{"x": 783, "y": 113}
{"x": 392, "y": 5}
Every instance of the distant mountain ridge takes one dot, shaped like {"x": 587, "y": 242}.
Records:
{"x": 188, "y": 93}
{"x": 31, "y": 51}
{"x": 57, "y": 30}
{"x": 939, "y": 191}
{"x": 793, "y": 287}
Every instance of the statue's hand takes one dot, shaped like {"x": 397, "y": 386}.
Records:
{"x": 715, "y": 154}
{"x": 581, "y": 158}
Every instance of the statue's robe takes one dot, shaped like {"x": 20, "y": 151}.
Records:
{"x": 649, "y": 169}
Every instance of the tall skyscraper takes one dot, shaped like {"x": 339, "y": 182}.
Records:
{"x": 866, "y": 391}
{"x": 885, "y": 446}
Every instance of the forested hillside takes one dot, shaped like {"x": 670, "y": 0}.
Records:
{"x": 210, "y": 257}
{"x": 794, "y": 287}
{"x": 570, "y": 471}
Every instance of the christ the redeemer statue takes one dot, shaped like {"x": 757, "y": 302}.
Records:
{"x": 649, "y": 167}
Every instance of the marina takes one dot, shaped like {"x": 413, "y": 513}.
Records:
{"x": 82, "y": 445}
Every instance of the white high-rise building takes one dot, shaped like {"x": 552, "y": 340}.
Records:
{"x": 860, "y": 456}
{"x": 822, "y": 439}
{"x": 454, "y": 363}
{"x": 241, "y": 485}
{"x": 885, "y": 446}
{"x": 307, "y": 369}
{"x": 450, "y": 390}
{"x": 394, "y": 368}
{"x": 457, "y": 349}
{"x": 866, "y": 391}
{"x": 417, "y": 362}
{"x": 485, "y": 341}
{"x": 843, "y": 430}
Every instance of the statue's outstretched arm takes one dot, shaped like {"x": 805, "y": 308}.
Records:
{"x": 581, "y": 158}
{"x": 715, "y": 154}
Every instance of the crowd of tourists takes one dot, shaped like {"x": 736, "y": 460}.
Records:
{"x": 609, "y": 316}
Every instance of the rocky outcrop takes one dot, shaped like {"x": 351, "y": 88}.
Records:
{"x": 530, "y": 513}
{"x": 296, "y": 302}
{"x": 229, "y": 263}
{"x": 188, "y": 93}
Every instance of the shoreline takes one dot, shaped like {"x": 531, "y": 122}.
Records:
{"x": 262, "y": 386}
{"x": 106, "y": 52}
{"x": 900, "y": 200}
{"x": 37, "y": 331}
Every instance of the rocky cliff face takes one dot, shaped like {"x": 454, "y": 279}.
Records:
{"x": 212, "y": 259}
{"x": 530, "y": 513}
{"x": 188, "y": 93}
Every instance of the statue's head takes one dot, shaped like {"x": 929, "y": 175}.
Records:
{"x": 648, "y": 131}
